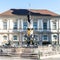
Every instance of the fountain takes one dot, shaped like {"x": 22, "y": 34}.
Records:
{"x": 30, "y": 39}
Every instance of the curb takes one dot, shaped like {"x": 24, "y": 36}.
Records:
{"x": 52, "y": 56}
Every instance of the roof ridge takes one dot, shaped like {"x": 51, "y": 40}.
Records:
{"x": 33, "y": 11}
{"x": 27, "y": 9}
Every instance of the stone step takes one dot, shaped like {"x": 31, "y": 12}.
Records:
{"x": 32, "y": 57}
{"x": 29, "y": 55}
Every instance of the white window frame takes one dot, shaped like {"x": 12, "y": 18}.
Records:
{"x": 54, "y": 25}
{"x": 44, "y": 28}
{"x": 55, "y": 37}
{"x": 45, "y": 37}
{"x": 5, "y": 25}
{"x": 35, "y": 28}
{"x": 26, "y": 25}
{"x": 4, "y": 37}
{"x": 15, "y": 37}
{"x": 15, "y": 25}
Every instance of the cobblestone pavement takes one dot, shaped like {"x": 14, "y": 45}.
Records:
{"x": 51, "y": 59}
{"x": 14, "y": 58}
{"x": 18, "y": 58}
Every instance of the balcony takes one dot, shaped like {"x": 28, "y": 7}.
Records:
{"x": 48, "y": 29}
{"x": 34, "y": 29}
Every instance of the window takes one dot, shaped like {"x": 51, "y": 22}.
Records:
{"x": 15, "y": 25}
{"x": 55, "y": 37}
{"x": 15, "y": 44}
{"x": 35, "y": 25}
{"x": 24, "y": 25}
{"x": 44, "y": 37}
{"x": 5, "y": 25}
{"x": 45, "y": 25}
{"x": 54, "y": 25}
{"x": 14, "y": 37}
{"x": 5, "y": 37}
{"x": 36, "y": 37}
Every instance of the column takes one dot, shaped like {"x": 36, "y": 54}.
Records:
{"x": 11, "y": 24}
{"x": 49, "y": 25}
{"x": 1, "y": 23}
{"x": 40, "y": 24}
{"x": 49, "y": 37}
{"x": 59, "y": 38}
{"x": 20, "y": 39}
{"x": 1, "y": 40}
{"x": 8, "y": 27}
{"x": 22, "y": 24}
{"x": 18, "y": 24}
{"x": 58, "y": 31}
{"x": 40, "y": 39}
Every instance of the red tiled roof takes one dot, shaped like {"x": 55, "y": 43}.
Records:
{"x": 48, "y": 12}
{"x": 13, "y": 12}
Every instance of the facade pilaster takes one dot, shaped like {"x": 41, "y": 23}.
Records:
{"x": 18, "y": 24}
{"x": 40, "y": 39}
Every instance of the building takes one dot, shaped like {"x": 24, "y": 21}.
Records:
{"x": 13, "y": 26}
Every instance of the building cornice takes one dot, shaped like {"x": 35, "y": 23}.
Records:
{"x": 26, "y": 15}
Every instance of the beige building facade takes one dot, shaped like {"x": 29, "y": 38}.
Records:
{"x": 13, "y": 26}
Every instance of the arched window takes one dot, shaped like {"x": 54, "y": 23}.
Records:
{"x": 15, "y": 37}
{"x": 5, "y": 37}
{"x": 55, "y": 37}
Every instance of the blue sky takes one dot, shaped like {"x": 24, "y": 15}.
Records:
{"x": 53, "y": 5}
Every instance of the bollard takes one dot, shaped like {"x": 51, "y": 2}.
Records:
{"x": 38, "y": 55}
{"x": 1, "y": 51}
